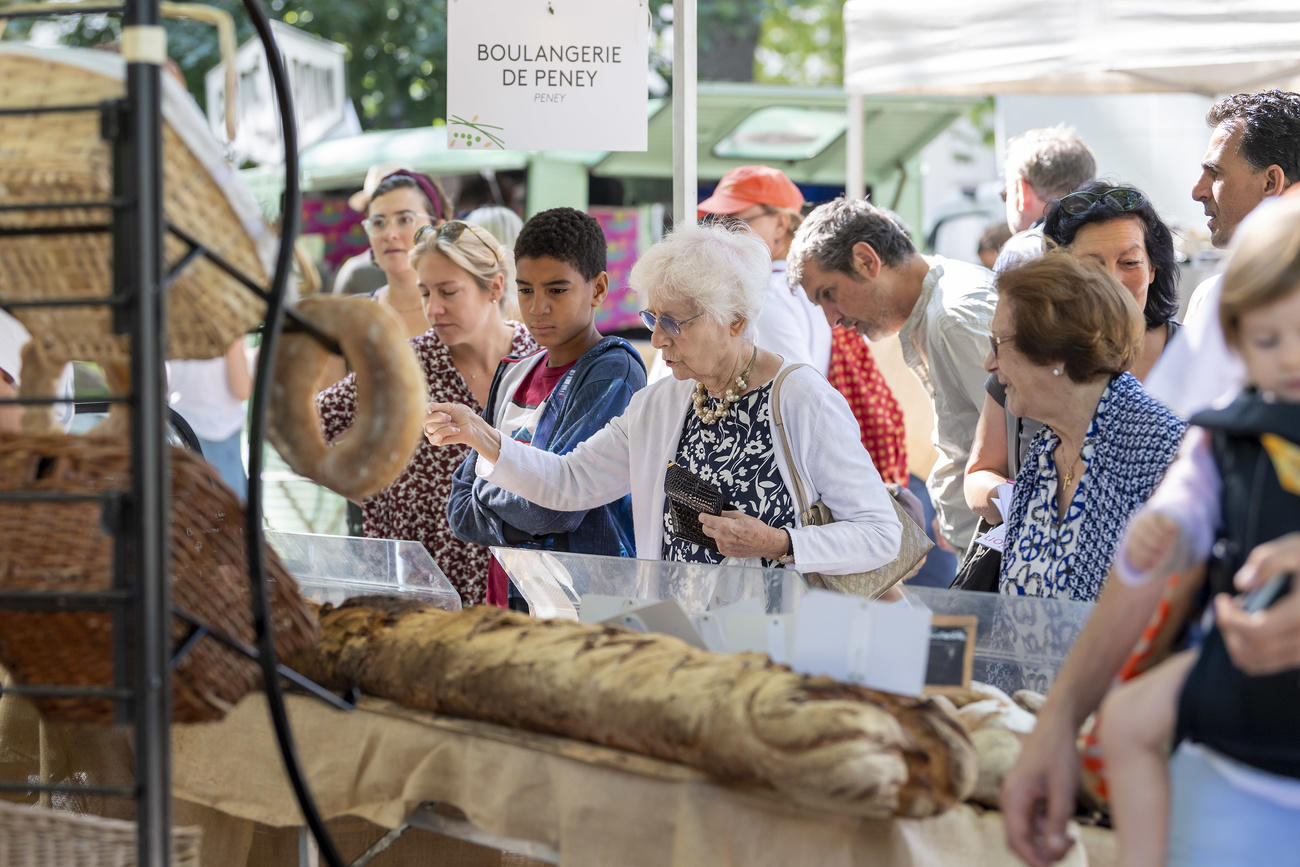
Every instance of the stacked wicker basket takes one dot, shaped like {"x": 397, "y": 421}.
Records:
{"x": 65, "y": 547}
{"x": 63, "y": 157}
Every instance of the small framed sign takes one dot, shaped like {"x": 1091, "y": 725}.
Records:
{"x": 952, "y": 653}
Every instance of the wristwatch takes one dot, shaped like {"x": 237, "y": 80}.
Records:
{"x": 788, "y": 557}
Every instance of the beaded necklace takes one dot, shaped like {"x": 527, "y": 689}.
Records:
{"x": 707, "y": 414}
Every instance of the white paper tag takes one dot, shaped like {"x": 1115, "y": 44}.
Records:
{"x": 596, "y": 607}
{"x": 666, "y": 618}
{"x": 994, "y": 538}
{"x": 712, "y": 630}
{"x": 900, "y": 649}
{"x": 852, "y": 639}
{"x": 1003, "y": 499}
{"x": 780, "y": 637}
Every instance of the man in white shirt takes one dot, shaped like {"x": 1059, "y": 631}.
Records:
{"x": 1042, "y": 165}
{"x": 1254, "y": 153}
{"x": 857, "y": 262}
{"x": 770, "y": 204}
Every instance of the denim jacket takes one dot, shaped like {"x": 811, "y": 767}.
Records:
{"x": 596, "y": 390}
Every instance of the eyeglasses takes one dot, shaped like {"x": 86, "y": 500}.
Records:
{"x": 671, "y": 325}
{"x": 402, "y": 220}
{"x": 764, "y": 211}
{"x": 734, "y": 220}
{"x": 1120, "y": 198}
{"x": 995, "y": 342}
{"x": 451, "y": 232}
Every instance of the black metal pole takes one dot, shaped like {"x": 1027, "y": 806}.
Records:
{"x": 138, "y": 268}
{"x": 290, "y": 220}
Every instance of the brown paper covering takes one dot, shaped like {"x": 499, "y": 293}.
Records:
{"x": 596, "y": 805}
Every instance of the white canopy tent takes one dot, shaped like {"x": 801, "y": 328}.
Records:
{"x": 980, "y": 47}
{"x": 1071, "y": 46}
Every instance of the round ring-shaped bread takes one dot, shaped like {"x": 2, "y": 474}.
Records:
{"x": 392, "y": 396}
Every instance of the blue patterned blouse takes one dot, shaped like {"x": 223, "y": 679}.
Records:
{"x": 1129, "y": 444}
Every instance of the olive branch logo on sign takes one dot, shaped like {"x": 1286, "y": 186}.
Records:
{"x": 563, "y": 74}
{"x": 471, "y": 133}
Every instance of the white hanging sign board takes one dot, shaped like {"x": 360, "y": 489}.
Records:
{"x": 547, "y": 74}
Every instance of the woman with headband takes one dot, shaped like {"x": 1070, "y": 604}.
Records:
{"x": 403, "y": 203}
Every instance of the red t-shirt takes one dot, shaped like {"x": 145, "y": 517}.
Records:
{"x": 522, "y": 412}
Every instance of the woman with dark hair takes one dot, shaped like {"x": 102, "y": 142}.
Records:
{"x": 403, "y": 203}
{"x": 1118, "y": 229}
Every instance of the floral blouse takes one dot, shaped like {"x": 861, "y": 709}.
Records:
{"x": 414, "y": 507}
{"x": 735, "y": 454}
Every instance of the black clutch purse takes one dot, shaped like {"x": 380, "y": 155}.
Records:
{"x": 688, "y": 495}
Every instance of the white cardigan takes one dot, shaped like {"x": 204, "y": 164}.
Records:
{"x": 631, "y": 454}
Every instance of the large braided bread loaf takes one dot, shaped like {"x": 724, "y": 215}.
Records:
{"x": 738, "y": 717}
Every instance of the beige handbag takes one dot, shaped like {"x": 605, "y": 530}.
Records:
{"x": 871, "y": 584}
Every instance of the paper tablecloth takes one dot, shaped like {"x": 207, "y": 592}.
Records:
{"x": 598, "y": 807}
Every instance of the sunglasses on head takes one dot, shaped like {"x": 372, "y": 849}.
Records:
{"x": 671, "y": 325}
{"x": 451, "y": 231}
{"x": 1119, "y": 198}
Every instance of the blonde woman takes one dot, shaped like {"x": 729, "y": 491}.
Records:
{"x": 462, "y": 274}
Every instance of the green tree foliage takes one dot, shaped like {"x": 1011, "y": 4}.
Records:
{"x": 802, "y": 42}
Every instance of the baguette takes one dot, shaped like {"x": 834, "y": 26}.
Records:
{"x": 739, "y": 717}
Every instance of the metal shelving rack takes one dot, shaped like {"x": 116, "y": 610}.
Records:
{"x": 140, "y": 599}
{"x": 138, "y": 518}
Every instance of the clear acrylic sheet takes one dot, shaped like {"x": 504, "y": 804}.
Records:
{"x": 1021, "y": 641}
{"x": 334, "y": 568}
{"x": 554, "y": 583}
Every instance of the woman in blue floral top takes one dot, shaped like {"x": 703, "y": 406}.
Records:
{"x": 1064, "y": 334}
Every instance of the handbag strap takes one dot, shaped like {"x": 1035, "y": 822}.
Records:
{"x": 785, "y": 443}
{"x": 1014, "y": 427}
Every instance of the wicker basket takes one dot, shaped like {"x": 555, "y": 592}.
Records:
{"x": 62, "y": 157}
{"x": 38, "y": 837}
{"x": 62, "y": 547}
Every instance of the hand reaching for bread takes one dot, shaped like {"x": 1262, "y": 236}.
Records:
{"x": 447, "y": 424}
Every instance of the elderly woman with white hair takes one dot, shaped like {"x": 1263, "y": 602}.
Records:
{"x": 704, "y": 287}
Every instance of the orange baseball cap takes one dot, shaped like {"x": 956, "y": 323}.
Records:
{"x": 747, "y": 186}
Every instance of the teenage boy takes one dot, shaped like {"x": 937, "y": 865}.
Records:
{"x": 555, "y": 398}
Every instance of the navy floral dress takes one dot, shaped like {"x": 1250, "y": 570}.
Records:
{"x": 736, "y": 454}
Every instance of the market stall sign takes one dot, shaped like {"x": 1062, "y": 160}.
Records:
{"x": 547, "y": 74}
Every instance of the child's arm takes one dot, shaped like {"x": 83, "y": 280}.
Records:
{"x": 468, "y": 519}
{"x": 1176, "y": 527}
{"x": 1151, "y": 540}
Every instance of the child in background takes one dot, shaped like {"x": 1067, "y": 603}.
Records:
{"x": 1235, "y": 485}
{"x": 555, "y": 398}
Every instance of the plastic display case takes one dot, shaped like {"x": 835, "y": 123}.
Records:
{"x": 554, "y": 583}
{"x": 1021, "y": 641}
{"x": 335, "y": 568}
